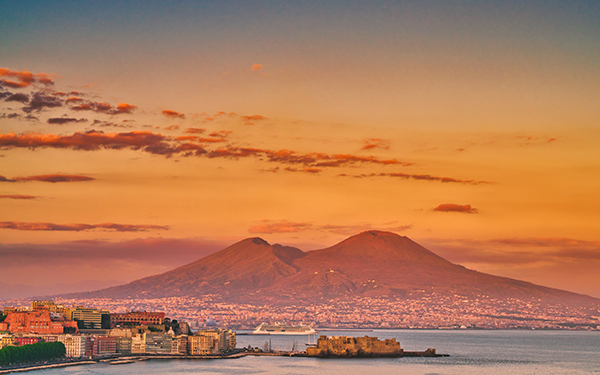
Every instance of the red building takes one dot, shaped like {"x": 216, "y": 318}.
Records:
{"x": 106, "y": 345}
{"x": 137, "y": 318}
{"x": 20, "y": 341}
{"x": 91, "y": 346}
{"x": 36, "y": 322}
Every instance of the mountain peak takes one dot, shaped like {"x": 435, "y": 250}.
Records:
{"x": 252, "y": 241}
{"x": 259, "y": 241}
{"x": 375, "y": 233}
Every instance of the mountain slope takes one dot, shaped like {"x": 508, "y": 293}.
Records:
{"x": 383, "y": 263}
{"x": 372, "y": 263}
{"x": 247, "y": 265}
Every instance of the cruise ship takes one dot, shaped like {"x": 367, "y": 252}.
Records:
{"x": 280, "y": 329}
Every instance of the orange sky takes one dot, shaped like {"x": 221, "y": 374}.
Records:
{"x": 478, "y": 140}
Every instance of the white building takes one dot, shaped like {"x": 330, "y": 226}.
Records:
{"x": 75, "y": 345}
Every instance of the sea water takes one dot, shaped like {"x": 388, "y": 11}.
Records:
{"x": 471, "y": 352}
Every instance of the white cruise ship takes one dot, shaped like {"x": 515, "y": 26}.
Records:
{"x": 280, "y": 329}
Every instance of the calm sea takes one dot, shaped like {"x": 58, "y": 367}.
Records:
{"x": 471, "y": 352}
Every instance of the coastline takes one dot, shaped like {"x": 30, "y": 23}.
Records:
{"x": 125, "y": 359}
{"x": 47, "y": 366}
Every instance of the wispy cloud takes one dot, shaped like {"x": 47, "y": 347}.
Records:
{"x": 53, "y": 178}
{"x": 280, "y": 226}
{"x": 169, "y": 146}
{"x": 173, "y": 114}
{"x": 286, "y": 226}
{"x": 131, "y": 253}
{"x": 527, "y": 140}
{"x": 18, "y": 225}
{"x": 516, "y": 251}
{"x": 371, "y": 143}
{"x": 422, "y": 177}
{"x": 314, "y": 160}
{"x": 254, "y": 117}
{"x": 451, "y": 207}
{"x": 16, "y": 196}
{"x": 78, "y": 104}
{"x": 64, "y": 120}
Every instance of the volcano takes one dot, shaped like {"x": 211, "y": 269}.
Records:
{"x": 370, "y": 264}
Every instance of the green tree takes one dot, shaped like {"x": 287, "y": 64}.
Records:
{"x": 33, "y": 352}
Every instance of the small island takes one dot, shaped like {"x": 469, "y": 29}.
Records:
{"x": 362, "y": 347}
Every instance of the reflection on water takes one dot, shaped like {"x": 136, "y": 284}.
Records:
{"x": 471, "y": 352}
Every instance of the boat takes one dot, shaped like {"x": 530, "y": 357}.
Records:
{"x": 281, "y": 329}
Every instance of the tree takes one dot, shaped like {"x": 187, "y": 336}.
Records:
{"x": 33, "y": 352}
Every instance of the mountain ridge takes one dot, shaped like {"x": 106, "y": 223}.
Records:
{"x": 371, "y": 263}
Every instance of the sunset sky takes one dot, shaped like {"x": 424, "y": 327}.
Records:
{"x": 137, "y": 136}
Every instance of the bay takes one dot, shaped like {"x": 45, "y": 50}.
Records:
{"x": 471, "y": 352}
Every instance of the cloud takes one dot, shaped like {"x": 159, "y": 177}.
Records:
{"x": 125, "y": 108}
{"x": 286, "y": 226}
{"x": 422, "y": 177}
{"x": 88, "y": 141}
{"x": 221, "y": 133}
{"x": 53, "y": 178}
{"x": 64, "y": 120}
{"x": 41, "y": 100}
{"x": 310, "y": 170}
{"x": 527, "y": 140}
{"x": 173, "y": 114}
{"x": 16, "y": 196}
{"x": 22, "y": 98}
{"x": 282, "y": 226}
{"x": 516, "y": 251}
{"x": 254, "y": 117}
{"x": 169, "y": 146}
{"x": 371, "y": 143}
{"x": 132, "y": 258}
{"x": 24, "y": 78}
{"x": 18, "y": 225}
{"x": 107, "y": 124}
{"x": 309, "y": 160}
{"x": 100, "y": 107}
{"x": 348, "y": 230}
{"x": 545, "y": 242}
{"x": 451, "y": 207}
{"x": 13, "y": 84}
{"x": 198, "y": 139}
{"x": 256, "y": 66}
{"x": 10, "y": 115}
{"x": 194, "y": 130}
{"x": 171, "y": 127}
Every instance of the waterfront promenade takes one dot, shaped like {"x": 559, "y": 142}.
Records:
{"x": 124, "y": 359}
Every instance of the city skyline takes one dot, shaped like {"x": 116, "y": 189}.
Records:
{"x": 137, "y": 137}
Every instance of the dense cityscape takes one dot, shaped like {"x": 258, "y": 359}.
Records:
{"x": 89, "y": 332}
{"x": 425, "y": 311}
